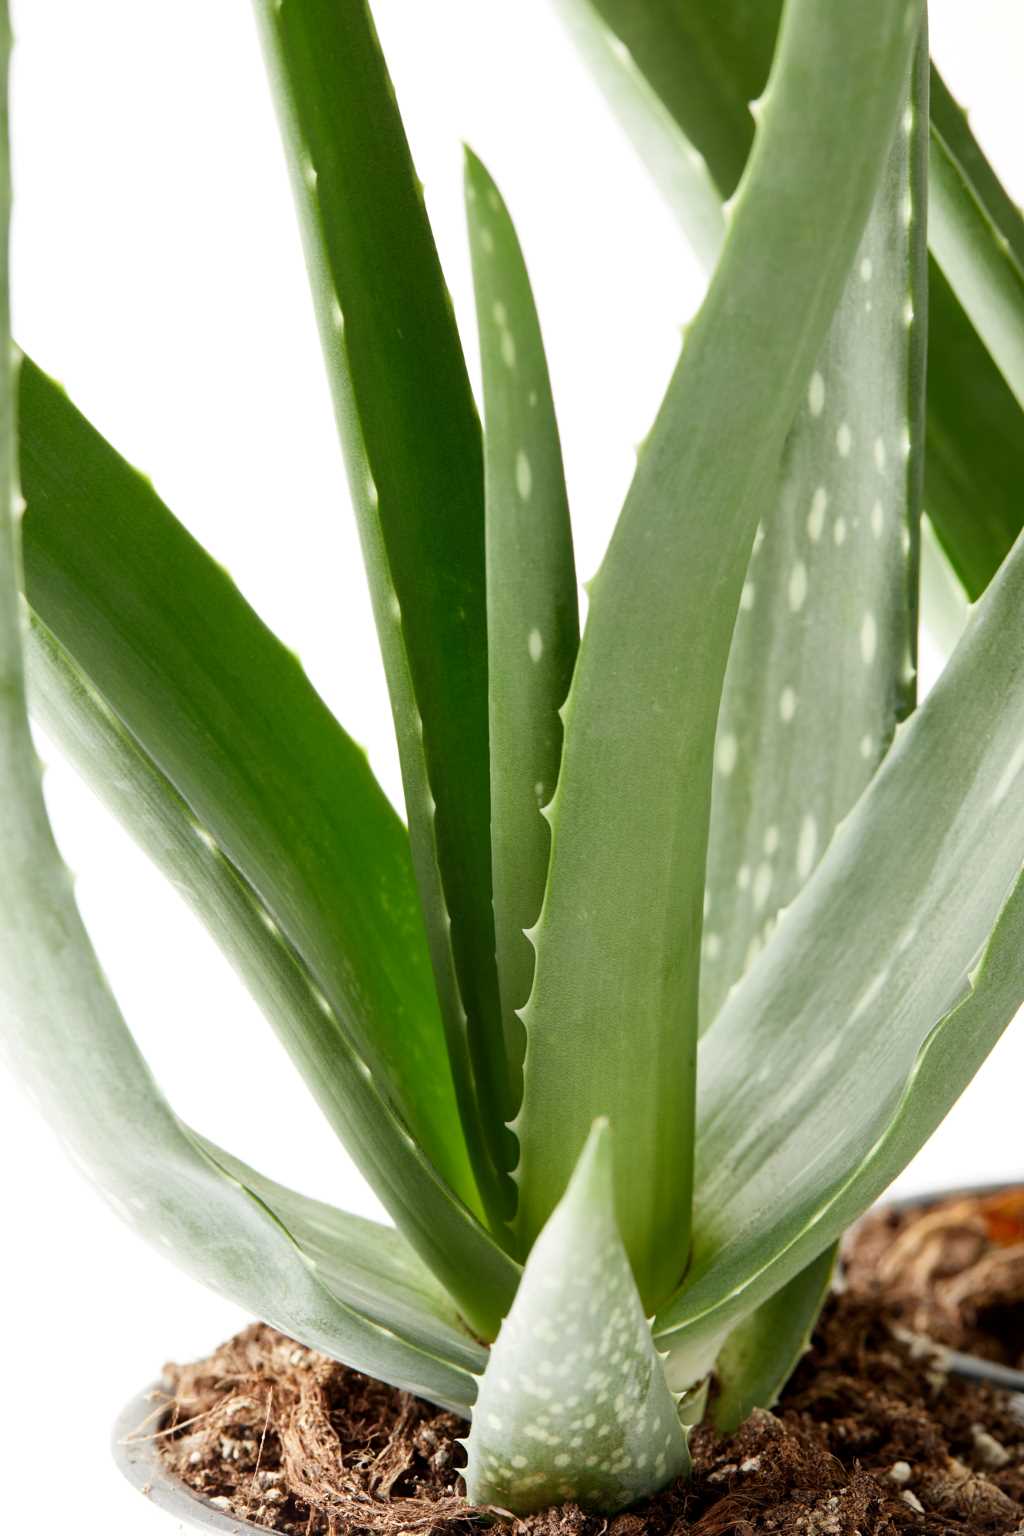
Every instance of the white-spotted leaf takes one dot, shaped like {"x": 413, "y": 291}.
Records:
{"x": 574, "y": 1402}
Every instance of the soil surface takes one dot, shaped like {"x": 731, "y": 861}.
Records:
{"x": 870, "y": 1437}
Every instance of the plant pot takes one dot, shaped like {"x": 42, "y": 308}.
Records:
{"x": 138, "y": 1458}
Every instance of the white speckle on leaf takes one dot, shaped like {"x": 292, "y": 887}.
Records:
{"x": 508, "y": 349}
{"x": 743, "y": 876}
{"x": 867, "y": 746}
{"x": 487, "y": 240}
{"x": 908, "y": 121}
{"x": 844, "y": 440}
{"x": 395, "y": 607}
{"x": 500, "y": 314}
{"x": 905, "y": 442}
{"x": 762, "y": 885}
{"x": 908, "y": 313}
{"x": 877, "y": 519}
{"x": 771, "y": 840}
{"x": 908, "y": 211}
{"x": 816, "y": 394}
{"x": 807, "y": 846}
{"x": 787, "y": 703}
{"x": 309, "y": 175}
{"x": 747, "y": 596}
{"x": 797, "y": 586}
{"x": 816, "y": 516}
{"x": 535, "y": 644}
{"x": 839, "y": 530}
{"x": 725, "y": 756}
{"x": 337, "y": 314}
{"x": 879, "y": 454}
{"x": 866, "y": 270}
{"x": 524, "y": 475}
{"x": 712, "y": 946}
{"x": 868, "y": 638}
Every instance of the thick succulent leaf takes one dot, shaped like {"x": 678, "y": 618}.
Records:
{"x": 412, "y": 440}
{"x": 229, "y": 717}
{"x": 64, "y": 1037}
{"x": 679, "y": 170}
{"x": 705, "y": 64}
{"x": 760, "y": 1355}
{"x": 574, "y": 1404}
{"x": 532, "y": 611}
{"x": 612, "y": 1019}
{"x": 477, "y": 1272}
{"x": 841, "y": 1009}
{"x": 978, "y": 238}
{"x": 366, "y": 1265}
{"x": 944, "y": 607}
{"x": 822, "y": 663}
{"x": 974, "y": 455}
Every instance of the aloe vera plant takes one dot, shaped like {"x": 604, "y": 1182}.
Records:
{"x": 686, "y": 946}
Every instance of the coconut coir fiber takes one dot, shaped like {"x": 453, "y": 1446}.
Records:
{"x": 870, "y": 1436}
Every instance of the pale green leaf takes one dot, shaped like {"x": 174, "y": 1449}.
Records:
{"x": 612, "y": 1020}
{"x": 978, "y": 239}
{"x": 532, "y": 613}
{"x": 65, "y": 1038}
{"x": 704, "y": 64}
{"x": 840, "y": 1011}
{"x": 574, "y": 1404}
{"x": 476, "y": 1272}
{"x": 679, "y": 170}
{"x": 822, "y": 663}
{"x": 366, "y": 1265}
{"x": 230, "y": 718}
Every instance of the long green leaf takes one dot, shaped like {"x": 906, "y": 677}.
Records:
{"x": 978, "y": 238}
{"x": 574, "y": 1404}
{"x": 366, "y": 1265}
{"x": 476, "y": 1272}
{"x": 412, "y": 441}
{"x": 760, "y": 1355}
{"x": 704, "y": 63}
{"x": 64, "y": 1036}
{"x": 532, "y": 610}
{"x": 228, "y": 716}
{"x": 822, "y": 663}
{"x": 870, "y": 1009}
{"x": 612, "y": 1020}
{"x": 974, "y": 457}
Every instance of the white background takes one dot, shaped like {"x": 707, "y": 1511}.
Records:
{"x": 158, "y": 273}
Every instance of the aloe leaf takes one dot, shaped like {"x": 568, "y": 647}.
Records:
{"x": 413, "y": 446}
{"x": 229, "y": 717}
{"x": 978, "y": 238}
{"x": 679, "y": 170}
{"x": 532, "y": 611}
{"x": 65, "y": 1038}
{"x": 823, "y": 658}
{"x": 944, "y": 607}
{"x": 446, "y": 1235}
{"x": 760, "y": 1355}
{"x": 573, "y": 1403}
{"x": 974, "y": 455}
{"x": 366, "y": 1265}
{"x": 705, "y": 64}
{"x": 876, "y": 966}
{"x": 612, "y": 1019}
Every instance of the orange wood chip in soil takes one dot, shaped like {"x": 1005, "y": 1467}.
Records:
{"x": 870, "y": 1436}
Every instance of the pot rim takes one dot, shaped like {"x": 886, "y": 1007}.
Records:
{"x": 139, "y": 1461}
